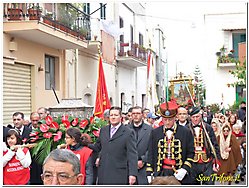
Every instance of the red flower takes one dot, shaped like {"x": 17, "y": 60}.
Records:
{"x": 91, "y": 119}
{"x": 49, "y": 120}
{"x": 64, "y": 118}
{"x": 75, "y": 121}
{"x": 83, "y": 123}
{"x": 96, "y": 133}
{"x": 57, "y": 136}
{"x": 67, "y": 124}
{"x": 47, "y": 135}
{"x": 34, "y": 139}
{"x": 34, "y": 133}
{"x": 54, "y": 125}
{"x": 44, "y": 128}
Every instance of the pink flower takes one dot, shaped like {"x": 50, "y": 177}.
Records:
{"x": 75, "y": 121}
{"x": 47, "y": 135}
{"x": 34, "y": 139}
{"x": 64, "y": 118}
{"x": 54, "y": 125}
{"x": 57, "y": 136}
{"x": 24, "y": 140}
{"x": 44, "y": 128}
{"x": 96, "y": 133}
{"x": 67, "y": 124}
{"x": 49, "y": 120}
{"x": 83, "y": 123}
{"x": 34, "y": 133}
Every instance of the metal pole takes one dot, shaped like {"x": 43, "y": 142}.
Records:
{"x": 167, "y": 85}
{"x": 55, "y": 95}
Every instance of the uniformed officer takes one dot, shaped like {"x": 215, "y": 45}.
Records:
{"x": 171, "y": 147}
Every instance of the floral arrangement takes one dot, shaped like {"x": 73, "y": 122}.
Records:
{"x": 51, "y": 133}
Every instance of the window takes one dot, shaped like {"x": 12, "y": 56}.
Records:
{"x": 87, "y": 8}
{"x": 102, "y": 11}
{"x": 141, "y": 39}
{"x": 143, "y": 100}
{"x": 121, "y": 22}
{"x": 131, "y": 33}
{"x": 238, "y": 38}
{"x": 49, "y": 72}
{"x": 122, "y": 97}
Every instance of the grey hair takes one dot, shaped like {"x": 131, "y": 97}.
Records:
{"x": 107, "y": 113}
{"x": 64, "y": 155}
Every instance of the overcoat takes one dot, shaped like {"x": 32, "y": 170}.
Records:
{"x": 118, "y": 156}
{"x": 142, "y": 150}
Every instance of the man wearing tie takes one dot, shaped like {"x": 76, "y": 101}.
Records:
{"x": 118, "y": 153}
{"x": 18, "y": 118}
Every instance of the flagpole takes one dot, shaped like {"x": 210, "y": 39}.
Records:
{"x": 167, "y": 85}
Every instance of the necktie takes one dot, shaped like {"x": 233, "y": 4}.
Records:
{"x": 197, "y": 126}
{"x": 112, "y": 131}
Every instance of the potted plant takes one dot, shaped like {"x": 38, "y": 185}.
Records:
{"x": 48, "y": 19}
{"x": 34, "y": 12}
{"x": 14, "y": 12}
{"x": 83, "y": 33}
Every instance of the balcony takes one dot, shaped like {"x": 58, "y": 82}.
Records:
{"x": 66, "y": 27}
{"x": 131, "y": 55}
{"x": 226, "y": 59}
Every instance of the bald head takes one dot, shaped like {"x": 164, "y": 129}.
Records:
{"x": 34, "y": 118}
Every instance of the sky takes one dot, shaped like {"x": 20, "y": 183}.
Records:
{"x": 183, "y": 24}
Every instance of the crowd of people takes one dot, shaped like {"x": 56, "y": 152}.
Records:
{"x": 172, "y": 145}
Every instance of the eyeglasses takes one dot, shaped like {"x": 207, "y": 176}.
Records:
{"x": 225, "y": 130}
{"x": 60, "y": 177}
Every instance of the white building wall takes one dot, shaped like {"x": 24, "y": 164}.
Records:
{"x": 216, "y": 79}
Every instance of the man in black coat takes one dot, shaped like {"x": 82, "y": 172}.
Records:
{"x": 18, "y": 119}
{"x": 142, "y": 134}
{"x": 171, "y": 147}
{"x": 207, "y": 155}
{"x": 118, "y": 152}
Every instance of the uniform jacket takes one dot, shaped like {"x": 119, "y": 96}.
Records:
{"x": 206, "y": 143}
{"x": 142, "y": 150}
{"x": 118, "y": 156}
{"x": 186, "y": 148}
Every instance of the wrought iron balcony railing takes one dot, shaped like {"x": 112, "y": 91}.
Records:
{"x": 65, "y": 16}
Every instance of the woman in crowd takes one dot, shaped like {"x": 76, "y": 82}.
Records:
{"x": 232, "y": 120}
{"x": 16, "y": 160}
{"x": 216, "y": 126}
{"x": 77, "y": 144}
{"x": 229, "y": 150}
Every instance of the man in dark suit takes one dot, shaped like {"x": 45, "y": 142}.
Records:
{"x": 171, "y": 147}
{"x": 18, "y": 119}
{"x": 118, "y": 154}
{"x": 5, "y": 132}
{"x": 142, "y": 134}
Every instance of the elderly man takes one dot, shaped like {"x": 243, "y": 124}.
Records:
{"x": 182, "y": 116}
{"x": 207, "y": 152}
{"x": 171, "y": 147}
{"x": 61, "y": 167}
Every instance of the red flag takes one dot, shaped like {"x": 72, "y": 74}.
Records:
{"x": 102, "y": 100}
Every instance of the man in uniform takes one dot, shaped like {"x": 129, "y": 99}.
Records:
{"x": 207, "y": 155}
{"x": 171, "y": 147}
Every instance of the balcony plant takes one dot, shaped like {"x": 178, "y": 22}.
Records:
{"x": 225, "y": 57}
{"x": 14, "y": 12}
{"x": 35, "y": 11}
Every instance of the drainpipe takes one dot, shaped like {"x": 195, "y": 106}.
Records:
{"x": 76, "y": 55}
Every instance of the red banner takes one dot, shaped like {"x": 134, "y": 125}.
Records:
{"x": 102, "y": 100}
